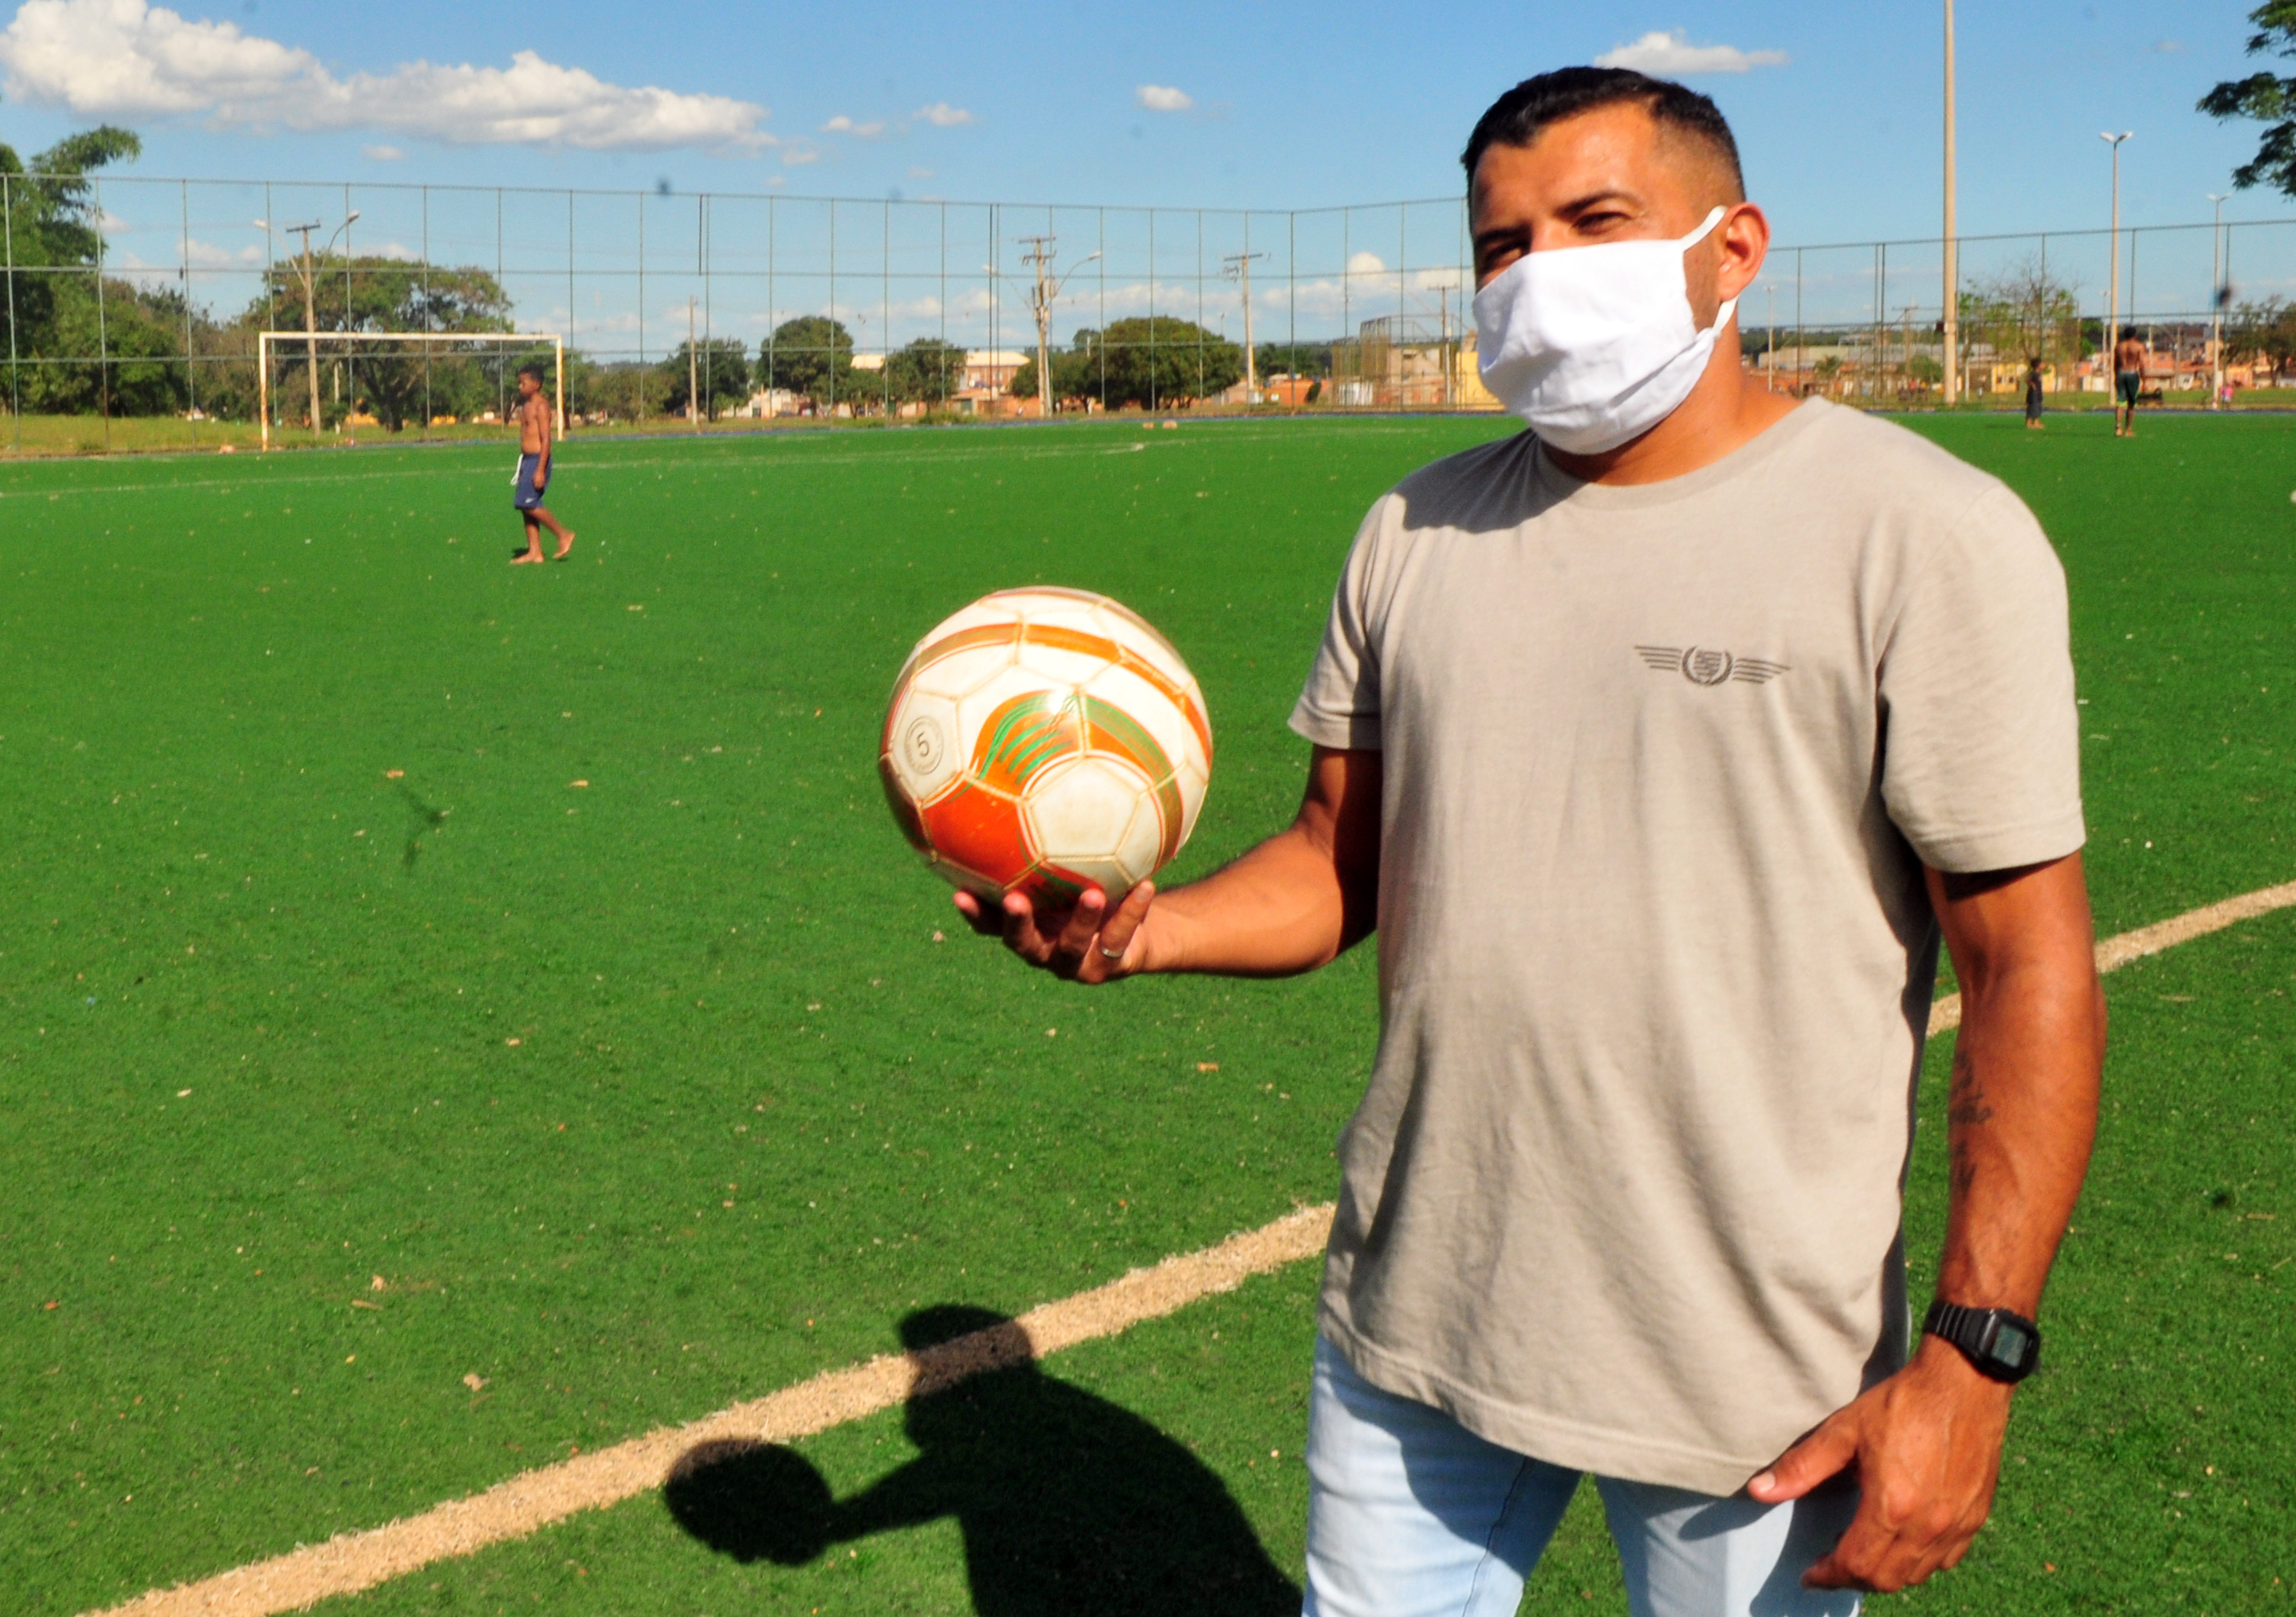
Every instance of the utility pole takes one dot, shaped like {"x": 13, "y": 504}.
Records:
{"x": 2112, "y": 281}
{"x": 304, "y": 273}
{"x": 1952, "y": 327}
{"x": 1239, "y": 268}
{"x": 693, "y": 373}
{"x": 1043, "y": 291}
{"x": 2217, "y": 291}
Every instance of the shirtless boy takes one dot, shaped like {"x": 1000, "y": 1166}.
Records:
{"x": 2127, "y": 381}
{"x": 532, "y": 414}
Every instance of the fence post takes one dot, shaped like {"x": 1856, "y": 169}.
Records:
{"x": 832, "y": 363}
{"x": 1099, "y": 343}
{"x": 885, "y": 310}
{"x": 15, "y": 392}
{"x": 637, "y": 406}
{"x": 1155, "y": 388}
{"x": 102, "y": 337}
{"x": 191, "y": 364}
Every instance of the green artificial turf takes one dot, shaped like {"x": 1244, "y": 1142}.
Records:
{"x": 721, "y": 975}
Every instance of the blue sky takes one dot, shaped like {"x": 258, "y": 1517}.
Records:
{"x": 1232, "y": 105}
{"x": 1286, "y": 105}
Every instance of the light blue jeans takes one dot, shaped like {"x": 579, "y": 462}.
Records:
{"x": 1410, "y": 1515}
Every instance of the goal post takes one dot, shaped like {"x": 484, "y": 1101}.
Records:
{"x": 315, "y": 342}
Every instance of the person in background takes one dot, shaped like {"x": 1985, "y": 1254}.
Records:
{"x": 2033, "y": 392}
{"x": 532, "y": 415}
{"x": 2127, "y": 381}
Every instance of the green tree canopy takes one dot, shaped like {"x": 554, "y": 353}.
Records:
{"x": 371, "y": 293}
{"x": 2266, "y": 97}
{"x": 51, "y": 218}
{"x": 927, "y": 371}
{"x": 1294, "y": 358}
{"x": 811, "y": 355}
{"x": 2262, "y": 331}
{"x": 720, "y": 365}
{"x": 1149, "y": 361}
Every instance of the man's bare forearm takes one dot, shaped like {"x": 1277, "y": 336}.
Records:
{"x": 2021, "y": 1110}
{"x": 1294, "y": 902}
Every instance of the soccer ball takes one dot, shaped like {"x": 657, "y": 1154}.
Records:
{"x": 1044, "y": 741}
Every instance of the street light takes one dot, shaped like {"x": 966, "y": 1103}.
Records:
{"x": 2113, "y": 297}
{"x": 1951, "y": 330}
{"x": 310, "y": 312}
{"x": 2218, "y": 293}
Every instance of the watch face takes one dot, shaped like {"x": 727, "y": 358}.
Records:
{"x": 2012, "y": 1344}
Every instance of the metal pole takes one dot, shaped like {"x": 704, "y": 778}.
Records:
{"x": 102, "y": 337}
{"x": 191, "y": 362}
{"x": 638, "y": 405}
{"x": 349, "y": 372}
{"x": 709, "y": 294}
{"x": 263, "y": 385}
{"x": 429, "y": 409}
{"x": 15, "y": 392}
{"x": 692, "y": 371}
{"x": 885, "y": 311}
{"x": 310, "y": 325}
{"x": 2216, "y": 306}
{"x": 569, "y": 308}
{"x": 1800, "y": 361}
{"x": 832, "y": 308}
{"x": 2113, "y": 292}
{"x": 1952, "y": 244}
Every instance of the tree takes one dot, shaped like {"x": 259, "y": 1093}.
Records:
{"x": 2023, "y": 311}
{"x": 2264, "y": 333}
{"x": 370, "y": 293}
{"x": 720, "y": 365}
{"x": 1150, "y": 362}
{"x": 811, "y": 355}
{"x": 927, "y": 370}
{"x": 51, "y": 218}
{"x": 1294, "y": 359}
{"x": 2267, "y": 98}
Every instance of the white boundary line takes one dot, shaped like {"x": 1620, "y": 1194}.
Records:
{"x": 524, "y": 1504}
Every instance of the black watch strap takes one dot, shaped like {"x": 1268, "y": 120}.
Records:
{"x": 2002, "y": 1345}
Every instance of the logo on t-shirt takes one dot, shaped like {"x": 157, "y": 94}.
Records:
{"x": 1706, "y": 665}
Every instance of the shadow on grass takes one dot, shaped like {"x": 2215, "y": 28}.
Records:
{"x": 1067, "y": 1502}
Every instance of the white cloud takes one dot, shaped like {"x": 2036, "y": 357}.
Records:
{"x": 129, "y": 57}
{"x": 941, "y": 115}
{"x": 1163, "y": 98}
{"x": 383, "y": 155}
{"x": 842, "y": 125}
{"x": 796, "y": 156}
{"x": 921, "y": 174}
{"x": 1366, "y": 264}
{"x": 1660, "y": 52}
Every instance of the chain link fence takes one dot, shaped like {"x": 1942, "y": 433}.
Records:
{"x": 134, "y": 304}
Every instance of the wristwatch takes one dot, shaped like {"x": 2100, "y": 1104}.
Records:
{"x": 2002, "y": 1345}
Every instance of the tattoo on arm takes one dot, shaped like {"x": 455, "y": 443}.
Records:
{"x": 1965, "y": 1108}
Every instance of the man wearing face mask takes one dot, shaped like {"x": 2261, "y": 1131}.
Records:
{"x": 1660, "y": 744}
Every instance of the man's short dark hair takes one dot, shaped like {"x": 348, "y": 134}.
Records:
{"x": 534, "y": 371}
{"x": 2128, "y": 334}
{"x": 1519, "y": 116}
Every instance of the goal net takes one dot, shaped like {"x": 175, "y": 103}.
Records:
{"x": 389, "y": 379}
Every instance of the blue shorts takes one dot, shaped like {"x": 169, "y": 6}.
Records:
{"x": 527, "y": 497}
{"x": 2129, "y": 384}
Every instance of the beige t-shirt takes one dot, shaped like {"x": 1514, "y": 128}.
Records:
{"x": 1662, "y": 765}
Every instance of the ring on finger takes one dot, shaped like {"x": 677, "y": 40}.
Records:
{"x": 1107, "y": 953}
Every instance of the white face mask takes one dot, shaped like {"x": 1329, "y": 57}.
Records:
{"x": 1594, "y": 346}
